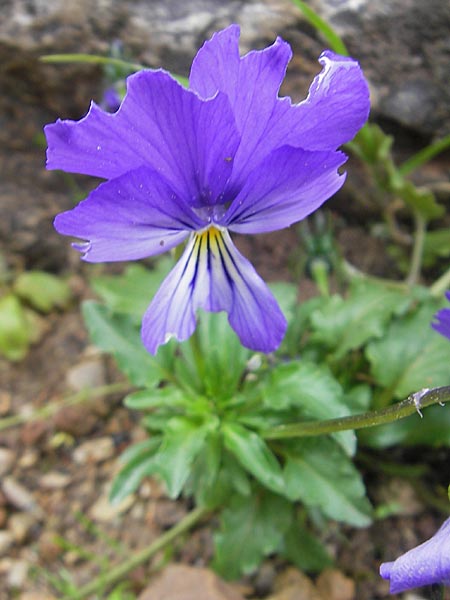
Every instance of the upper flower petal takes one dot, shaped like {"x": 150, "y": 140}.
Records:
{"x": 130, "y": 217}
{"x": 251, "y": 84}
{"x": 424, "y": 565}
{"x": 284, "y": 188}
{"x": 159, "y": 124}
{"x": 214, "y": 276}
{"x": 336, "y": 107}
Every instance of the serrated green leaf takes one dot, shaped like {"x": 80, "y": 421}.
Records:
{"x": 412, "y": 355}
{"x": 133, "y": 291}
{"x": 14, "y": 328}
{"x": 304, "y": 549}
{"x": 43, "y": 291}
{"x": 319, "y": 474}
{"x": 251, "y": 527}
{"x": 254, "y": 455}
{"x": 313, "y": 390}
{"x": 433, "y": 429}
{"x": 347, "y": 324}
{"x": 119, "y": 335}
{"x": 140, "y": 462}
{"x": 184, "y": 439}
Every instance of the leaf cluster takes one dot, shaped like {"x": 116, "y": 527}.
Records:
{"x": 208, "y": 403}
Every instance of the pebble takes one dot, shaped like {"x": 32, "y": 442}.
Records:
{"x": 334, "y": 585}
{"x": 87, "y": 374}
{"x": 18, "y": 496}
{"x": 6, "y": 541}
{"x": 94, "y": 451}
{"x": 7, "y": 459}
{"x": 104, "y": 512}
{"x": 54, "y": 480}
{"x": 49, "y": 549}
{"x": 17, "y": 574}
{"x": 32, "y": 432}
{"x": 5, "y": 403}
{"x": 29, "y": 458}
{"x": 20, "y": 525}
{"x": 75, "y": 420}
{"x": 36, "y": 596}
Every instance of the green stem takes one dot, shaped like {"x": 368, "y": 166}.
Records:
{"x": 417, "y": 254}
{"x": 424, "y": 155}
{"x": 115, "y": 574}
{"x": 441, "y": 285}
{"x": 412, "y": 404}
{"x": 51, "y": 409}
{"x": 197, "y": 353}
{"x": 91, "y": 59}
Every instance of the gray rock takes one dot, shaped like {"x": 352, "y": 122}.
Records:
{"x": 18, "y": 496}
{"x": 404, "y": 47}
{"x": 6, "y": 541}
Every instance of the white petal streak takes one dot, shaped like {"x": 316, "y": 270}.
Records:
{"x": 214, "y": 276}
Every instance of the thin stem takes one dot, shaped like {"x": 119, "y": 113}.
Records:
{"x": 441, "y": 285}
{"x": 424, "y": 155}
{"x": 417, "y": 254}
{"x": 51, "y": 409}
{"x": 115, "y": 574}
{"x": 197, "y": 353}
{"x": 91, "y": 59}
{"x": 412, "y": 404}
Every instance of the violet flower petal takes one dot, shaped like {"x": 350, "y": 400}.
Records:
{"x": 441, "y": 322}
{"x": 284, "y": 188}
{"x": 190, "y": 141}
{"x": 424, "y": 565}
{"x": 214, "y": 276}
{"x": 131, "y": 217}
{"x": 336, "y": 107}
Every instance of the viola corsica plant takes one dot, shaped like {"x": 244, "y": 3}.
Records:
{"x": 190, "y": 166}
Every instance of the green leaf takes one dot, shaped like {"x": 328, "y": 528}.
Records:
{"x": 319, "y": 474}
{"x": 132, "y": 292}
{"x": 140, "y": 462}
{"x": 347, "y": 324}
{"x": 412, "y": 355}
{"x": 433, "y": 429}
{"x": 14, "y": 330}
{"x": 43, "y": 291}
{"x": 313, "y": 390}
{"x": 205, "y": 483}
{"x": 165, "y": 397}
{"x": 223, "y": 358}
{"x": 421, "y": 200}
{"x": 184, "y": 439}
{"x": 118, "y": 335}
{"x": 303, "y": 549}
{"x": 251, "y": 527}
{"x": 254, "y": 455}
{"x": 436, "y": 245}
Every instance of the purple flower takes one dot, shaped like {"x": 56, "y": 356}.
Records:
{"x": 226, "y": 155}
{"x": 427, "y": 564}
{"x": 442, "y": 320}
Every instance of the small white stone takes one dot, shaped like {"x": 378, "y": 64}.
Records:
{"x": 6, "y": 541}
{"x": 54, "y": 480}
{"x": 96, "y": 450}
{"x": 17, "y": 574}
{"x": 7, "y": 459}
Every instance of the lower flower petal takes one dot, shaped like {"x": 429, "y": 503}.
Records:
{"x": 214, "y": 276}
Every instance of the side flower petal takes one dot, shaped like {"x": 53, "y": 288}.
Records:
{"x": 284, "y": 188}
{"x": 441, "y": 321}
{"x": 424, "y": 565}
{"x": 214, "y": 276}
{"x": 160, "y": 124}
{"x": 130, "y": 217}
